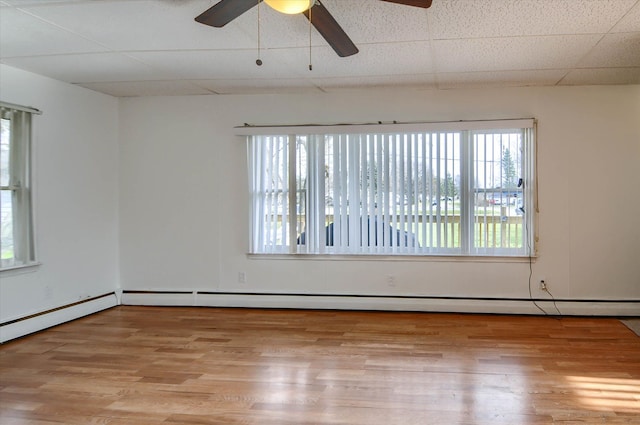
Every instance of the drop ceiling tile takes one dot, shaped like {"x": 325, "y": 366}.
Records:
{"x": 377, "y": 59}
{"x": 512, "y": 53}
{"x": 614, "y": 50}
{"x": 86, "y": 68}
{"x": 374, "y": 60}
{"x": 340, "y": 84}
{"x": 499, "y": 78}
{"x": 503, "y": 18}
{"x": 630, "y": 22}
{"x": 216, "y": 64}
{"x": 142, "y": 25}
{"x": 22, "y": 34}
{"x": 597, "y": 76}
{"x": 259, "y": 86}
{"x": 147, "y": 88}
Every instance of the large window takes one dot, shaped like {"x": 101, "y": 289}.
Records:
{"x": 16, "y": 236}
{"x": 463, "y": 189}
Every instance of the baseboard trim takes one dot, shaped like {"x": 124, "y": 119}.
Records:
{"x": 36, "y": 322}
{"x": 20, "y": 327}
{"x": 388, "y": 303}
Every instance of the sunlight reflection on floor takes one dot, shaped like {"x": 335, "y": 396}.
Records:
{"x": 606, "y": 394}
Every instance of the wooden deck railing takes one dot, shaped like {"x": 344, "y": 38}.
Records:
{"x": 491, "y": 231}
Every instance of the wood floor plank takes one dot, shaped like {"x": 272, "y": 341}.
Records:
{"x": 179, "y": 365}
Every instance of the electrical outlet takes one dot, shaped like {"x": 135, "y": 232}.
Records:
{"x": 242, "y": 277}
{"x": 543, "y": 285}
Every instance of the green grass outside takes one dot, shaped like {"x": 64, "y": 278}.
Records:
{"x": 6, "y": 254}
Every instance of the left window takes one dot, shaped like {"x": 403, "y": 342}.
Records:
{"x": 16, "y": 227}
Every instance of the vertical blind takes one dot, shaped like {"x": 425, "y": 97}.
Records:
{"x": 453, "y": 192}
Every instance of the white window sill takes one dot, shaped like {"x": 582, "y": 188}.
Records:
{"x": 20, "y": 268}
{"x": 401, "y": 258}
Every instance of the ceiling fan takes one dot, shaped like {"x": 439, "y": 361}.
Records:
{"x": 226, "y": 11}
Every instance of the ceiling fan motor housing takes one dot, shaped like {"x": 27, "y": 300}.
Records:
{"x": 290, "y": 7}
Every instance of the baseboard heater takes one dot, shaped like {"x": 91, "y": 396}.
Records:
{"x": 619, "y": 308}
{"x": 22, "y": 326}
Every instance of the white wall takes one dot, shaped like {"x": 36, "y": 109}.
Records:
{"x": 75, "y": 195}
{"x": 174, "y": 191}
{"x": 184, "y": 202}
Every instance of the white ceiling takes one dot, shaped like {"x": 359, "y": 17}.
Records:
{"x": 154, "y": 47}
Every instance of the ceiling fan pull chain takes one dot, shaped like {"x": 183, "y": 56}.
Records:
{"x": 259, "y": 61}
{"x": 310, "y": 65}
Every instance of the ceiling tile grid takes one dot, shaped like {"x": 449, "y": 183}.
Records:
{"x": 613, "y": 51}
{"x": 149, "y": 88}
{"x": 154, "y": 47}
{"x": 137, "y": 25}
{"x": 586, "y": 76}
{"x": 23, "y": 34}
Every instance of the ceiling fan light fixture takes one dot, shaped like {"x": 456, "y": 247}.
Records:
{"x": 290, "y": 7}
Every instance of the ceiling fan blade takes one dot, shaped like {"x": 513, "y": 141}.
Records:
{"x": 417, "y": 3}
{"x": 331, "y": 30}
{"x": 225, "y": 11}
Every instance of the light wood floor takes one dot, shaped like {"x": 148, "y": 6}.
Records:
{"x": 152, "y": 365}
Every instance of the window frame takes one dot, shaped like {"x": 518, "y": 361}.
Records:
{"x": 20, "y": 186}
{"x": 467, "y": 130}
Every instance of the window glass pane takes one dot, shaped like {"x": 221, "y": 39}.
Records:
{"x": 275, "y": 193}
{"x": 302, "y": 184}
{"x": 16, "y": 236}
{"x": 446, "y": 162}
{"x": 6, "y": 228}
{"x": 5, "y": 151}
{"x": 498, "y": 221}
{"x": 7, "y": 252}
{"x": 329, "y": 192}
{"x": 270, "y": 196}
